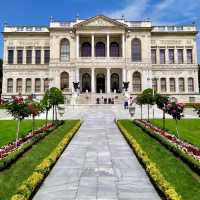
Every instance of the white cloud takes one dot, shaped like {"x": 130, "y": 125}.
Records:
{"x": 133, "y": 10}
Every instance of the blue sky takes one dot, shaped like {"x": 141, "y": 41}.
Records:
{"x": 38, "y": 12}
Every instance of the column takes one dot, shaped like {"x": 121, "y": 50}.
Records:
{"x": 42, "y": 56}
{"x": 93, "y": 78}
{"x": 184, "y": 56}
{"x": 77, "y": 45}
{"x": 166, "y": 56}
{"x": 175, "y": 55}
{"x": 15, "y": 56}
{"x": 24, "y": 55}
{"x": 157, "y": 56}
{"x": 93, "y": 46}
{"x": 108, "y": 45}
{"x": 33, "y": 56}
{"x": 108, "y": 80}
{"x": 124, "y": 75}
{"x": 177, "y": 87}
{"x": 77, "y": 74}
{"x": 123, "y": 45}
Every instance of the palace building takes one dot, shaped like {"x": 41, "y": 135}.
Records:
{"x": 101, "y": 53}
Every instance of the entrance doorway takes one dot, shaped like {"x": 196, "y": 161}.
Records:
{"x": 115, "y": 82}
{"x": 86, "y": 82}
{"x": 100, "y": 83}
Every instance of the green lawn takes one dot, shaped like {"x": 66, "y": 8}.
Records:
{"x": 189, "y": 129}
{"x": 12, "y": 177}
{"x": 8, "y": 129}
{"x": 182, "y": 178}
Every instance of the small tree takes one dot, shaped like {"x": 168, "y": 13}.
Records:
{"x": 140, "y": 101}
{"x": 161, "y": 102}
{"x": 46, "y": 105}
{"x": 34, "y": 109}
{"x": 148, "y": 98}
{"x": 55, "y": 98}
{"x": 175, "y": 110}
{"x": 19, "y": 110}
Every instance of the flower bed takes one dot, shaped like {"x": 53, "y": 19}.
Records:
{"x": 29, "y": 186}
{"x": 186, "y": 151}
{"x": 160, "y": 182}
{"x": 13, "y": 152}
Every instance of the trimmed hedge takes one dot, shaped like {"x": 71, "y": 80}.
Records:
{"x": 12, "y": 157}
{"x": 189, "y": 160}
{"x": 159, "y": 181}
{"x": 30, "y": 185}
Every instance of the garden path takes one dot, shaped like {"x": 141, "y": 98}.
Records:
{"x": 97, "y": 164}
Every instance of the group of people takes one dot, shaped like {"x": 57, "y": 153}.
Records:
{"x": 128, "y": 102}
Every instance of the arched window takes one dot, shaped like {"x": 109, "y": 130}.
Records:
{"x": 64, "y": 81}
{"x": 100, "y": 50}
{"x": 86, "y": 49}
{"x": 10, "y": 85}
{"x": 137, "y": 86}
{"x": 115, "y": 82}
{"x": 172, "y": 85}
{"x": 37, "y": 85}
{"x": 114, "y": 49}
{"x": 163, "y": 85}
{"x": 28, "y": 85}
{"x": 136, "y": 50}
{"x": 181, "y": 83}
{"x": 190, "y": 84}
{"x": 19, "y": 85}
{"x": 64, "y": 50}
{"x": 86, "y": 82}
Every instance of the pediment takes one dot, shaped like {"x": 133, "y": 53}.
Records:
{"x": 100, "y": 21}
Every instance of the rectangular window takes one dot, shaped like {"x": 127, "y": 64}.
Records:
{"x": 37, "y": 85}
{"x": 28, "y": 85}
{"x": 10, "y": 56}
{"x": 20, "y": 56}
{"x": 10, "y": 85}
{"x": 46, "y": 56}
{"x": 38, "y": 57}
{"x": 46, "y": 84}
{"x": 19, "y": 85}
{"x": 181, "y": 85}
{"x": 180, "y": 56}
{"x": 189, "y": 56}
{"x": 162, "y": 56}
{"x": 28, "y": 56}
{"x": 163, "y": 85}
{"x": 171, "y": 56}
{"x": 172, "y": 85}
{"x": 155, "y": 84}
{"x": 153, "y": 56}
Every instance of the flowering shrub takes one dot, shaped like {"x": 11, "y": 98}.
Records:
{"x": 162, "y": 184}
{"x": 175, "y": 110}
{"x": 189, "y": 153}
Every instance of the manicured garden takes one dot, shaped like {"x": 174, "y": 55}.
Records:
{"x": 189, "y": 129}
{"x": 8, "y": 129}
{"x": 185, "y": 181}
{"x": 13, "y": 177}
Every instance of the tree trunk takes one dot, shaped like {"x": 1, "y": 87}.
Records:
{"x": 163, "y": 120}
{"x": 33, "y": 125}
{"x": 56, "y": 112}
{"x": 53, "y": 113}
{"x": 177, "y": 128}
{"x": 148, "y": 111}
{"x": 17, "y": 133}
{"x": 46, "y": 118}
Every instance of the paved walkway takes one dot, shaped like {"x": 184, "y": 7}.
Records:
{"x": 98, "y": 164}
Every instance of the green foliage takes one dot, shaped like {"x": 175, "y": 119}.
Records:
{"x": 148, "y": 96}
{"x": 55, "y": 96}
{"x": 161, "y": 100}
{"x": 45, "y": 102}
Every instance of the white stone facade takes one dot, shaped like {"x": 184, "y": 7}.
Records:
{"x": 91, "y": 51}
